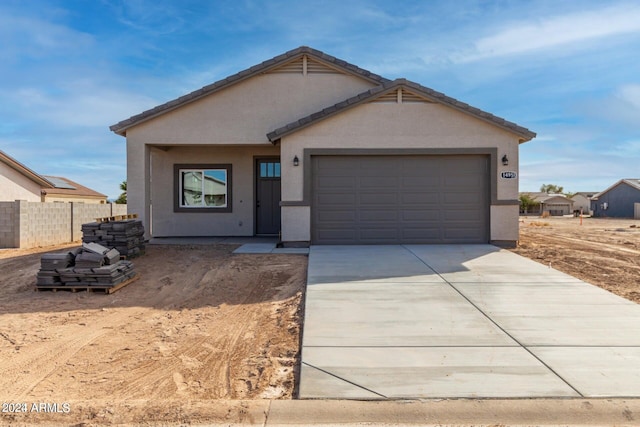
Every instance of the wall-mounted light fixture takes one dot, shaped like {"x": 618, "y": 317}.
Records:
{"x": 296, "y": 161}
{"x": 505, "y": 160}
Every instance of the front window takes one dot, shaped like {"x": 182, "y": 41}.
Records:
{"x": 203, "y": 187}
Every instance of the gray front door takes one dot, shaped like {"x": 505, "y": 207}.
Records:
{"x": 268, "y": 196}
{"x": 400, "y": 199}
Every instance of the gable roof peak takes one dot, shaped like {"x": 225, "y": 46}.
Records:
{"x": 121, "y": 127}
{"x": 390, "y": 85}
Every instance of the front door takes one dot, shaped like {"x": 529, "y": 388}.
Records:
{"x": 268, "y": 196}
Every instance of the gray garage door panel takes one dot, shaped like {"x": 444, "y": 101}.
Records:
{"x": 400, "y": 199}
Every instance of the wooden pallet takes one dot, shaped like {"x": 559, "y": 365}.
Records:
{"x": 92, "y": 288}
{"x": 117, "y": 218}
{"x": 130, "y": 257}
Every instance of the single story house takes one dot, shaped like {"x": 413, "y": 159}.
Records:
{"x": 554, "y": 204}
{"x": 618, "y": 200}
{"x": 582, "y": 201}
{"x": 18, "y": 182}
{"x": 321, "y": 151}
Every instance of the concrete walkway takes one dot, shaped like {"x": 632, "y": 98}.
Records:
{"x": 460, "y": 321}
{"x": 458, "y": 412}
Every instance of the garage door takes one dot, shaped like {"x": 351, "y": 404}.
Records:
{"x": 400, "y": 199}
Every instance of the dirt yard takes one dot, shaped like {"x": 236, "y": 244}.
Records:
{"x": 603, "y": 252}
{"x": 200, "y": 324}
{"x": 203, "y": 328}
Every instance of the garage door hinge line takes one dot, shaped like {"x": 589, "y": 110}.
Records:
{"x": 345, "y": 380}
{"x": 494, "y": 322}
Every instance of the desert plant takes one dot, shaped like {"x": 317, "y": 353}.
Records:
{"x": 551, "y": 189}
{"x": 122, "y": 199}
{"x": 526, "y": 203}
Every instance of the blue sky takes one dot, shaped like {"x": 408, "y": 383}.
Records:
{"x": 567, "y": 70}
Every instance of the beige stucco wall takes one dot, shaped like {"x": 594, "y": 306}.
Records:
{"x": 244, "y": 113}
{"x": 138, "y": 155}
{"x": 403, "y": 126}
{"x": 298, "y": 223}
{"x": 240, "y": 222}
{"x": 581, "y": 202}
{"x": 241, "y": 114}
{"x": 237, "y": 119}
{"x": 397, "y": 126}
{"x": 504, "y": 223}
{"x": 15, "y": 186}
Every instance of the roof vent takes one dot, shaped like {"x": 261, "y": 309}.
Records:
{"x": 305, "y": 65}
{"x": 401, "y": 96}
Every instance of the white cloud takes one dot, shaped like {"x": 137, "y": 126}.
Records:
{"x": 83, "y": 104}
{"x": 626, "y": 149}
{"x": 26, "y": 36}
{"x": 631, "y": 94}
{"x": 553, "y": 32}
{"x": 617, "y": 112}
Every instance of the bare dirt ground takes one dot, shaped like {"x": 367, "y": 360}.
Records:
{"x": 201, "y": 324}
{"x": 203, "y": 329}
{"x": 602, "y": 251}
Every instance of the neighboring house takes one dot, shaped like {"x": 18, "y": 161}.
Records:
{"x": 18, "y": 182}
{"x": 323, "y": 152}
{"x": 554, "y": 204}
{"x": 65, "y": 190}
{"x": 582, "y": 201}
{"x": 618, "y": 200}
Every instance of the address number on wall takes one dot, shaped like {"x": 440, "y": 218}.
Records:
{"x": 509, "y": 175}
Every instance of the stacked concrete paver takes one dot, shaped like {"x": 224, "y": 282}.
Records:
{"x": 126, "y": 236}
{"x": 49, "y": 266}
{"x": 91, "y": 265}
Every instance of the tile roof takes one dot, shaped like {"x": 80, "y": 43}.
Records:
{"x": 121, "y": 127}
{"x": 542, "y": 197}
{"x": 389, "y": 86}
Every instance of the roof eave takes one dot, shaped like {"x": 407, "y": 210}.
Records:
{"x": 19, "y": 167}
{"x": 264, "y": 67}
{"x": 436, "y": 97}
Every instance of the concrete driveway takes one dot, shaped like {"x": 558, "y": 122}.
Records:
{"x": 446, "y": 321}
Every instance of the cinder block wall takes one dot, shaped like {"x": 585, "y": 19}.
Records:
{"x": 30, "y": 224}
{"x": 118, "y": 210}
{"x": 7, "y": 233}
{"x": 42, "y": 224}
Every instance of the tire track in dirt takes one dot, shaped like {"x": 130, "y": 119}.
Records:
{"x": 213, "y": 353}
{"x": 588, "y": 245}
{"x": 604, "y": 257}
{"x": 41, "y": 362}
{"x": 201, "y": 323}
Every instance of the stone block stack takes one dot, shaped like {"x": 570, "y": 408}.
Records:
{"x": 92, "y": 265}
{"x": 126, "y": 236}
{"x": 50, "y": 264}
